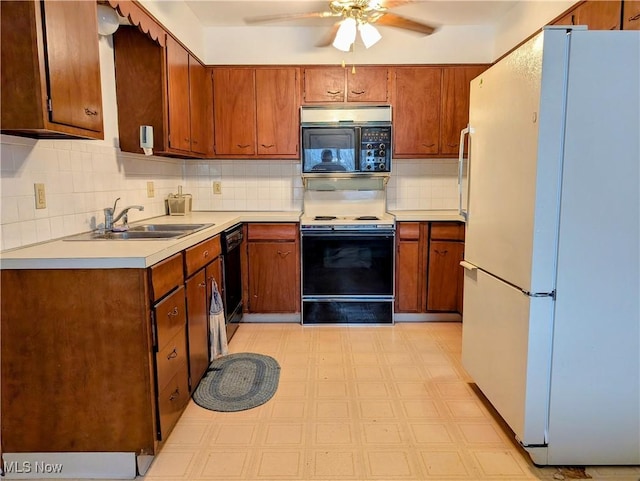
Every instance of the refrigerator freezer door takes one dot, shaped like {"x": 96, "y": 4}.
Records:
{"x": 516, "y": 119}
{"x": 506, "y": 348}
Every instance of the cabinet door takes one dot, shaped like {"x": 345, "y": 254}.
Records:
{"x": 599, "y": 14}
{"x": 368, "y": 84}
{"x": 631, "y": 15}
{"x": 201, "y": 103}
{"x": 324, "y": 84}
{"x": 444, "y": 272}
{"x": 455, "y": 105}
{"x": 234, "y": 111}
{"x": 409, "y": 268}
{"x": 273, "y": 277}
{"x": 416, "y": 115}
{"x": 73, "y": 61}
{"x": 178, "y": 89}
{"x": 197, "y": 327}
{"x": 277, "y": 121}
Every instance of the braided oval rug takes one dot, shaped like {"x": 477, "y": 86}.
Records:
{"x": 237, "y": 382}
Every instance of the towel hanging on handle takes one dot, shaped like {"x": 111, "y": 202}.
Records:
{"x": 217, "y": 323}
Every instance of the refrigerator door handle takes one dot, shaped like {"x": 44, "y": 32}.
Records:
{"x": 462, "y": 210}
{"x": 468, "y": 266}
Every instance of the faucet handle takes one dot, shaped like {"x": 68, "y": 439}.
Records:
{"x": 115, "y": 203}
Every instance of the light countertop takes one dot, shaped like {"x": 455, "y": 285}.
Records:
{"x": 137, "y": 254}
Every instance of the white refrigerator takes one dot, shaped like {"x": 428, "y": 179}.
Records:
{"x": 551, "y": 323}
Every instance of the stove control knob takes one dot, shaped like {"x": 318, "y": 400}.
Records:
{"x": 369, "y": 146}
{"x": 368, "y": 167}
{"x": 381, "y": 166}
{"x": 382, "y": 146}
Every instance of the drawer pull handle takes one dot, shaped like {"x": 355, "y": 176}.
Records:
{"x": 175, "y": 394}
{"x": 267, "y": 146}
{"x": 441, "y": 253}
{"x": 634, "y": 18}
{"x": 205, "y": 254}
{"x": 90, "y": 112}
{"x": 428, "y": 145}
{"x": 357, "y": 92}
{"x": 173, "y": 313}
{"x": 284, "y": 254}
{"x": 243, "y": 146}
{"x": 334, "y": 92}
{"x": 173, "y": 354}
{"x": 202, "y": 284}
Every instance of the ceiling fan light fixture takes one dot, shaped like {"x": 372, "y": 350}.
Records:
{"x": 346, "y": 34}
{"x": 369, "y": 34}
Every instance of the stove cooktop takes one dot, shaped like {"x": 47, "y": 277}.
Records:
{"x": 332, "y": 222}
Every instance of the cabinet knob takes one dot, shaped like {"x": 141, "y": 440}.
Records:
{"x": 173, "y": 313}
{"x": 203, "y": 284}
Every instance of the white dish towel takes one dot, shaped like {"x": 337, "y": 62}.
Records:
{"x": 217, "y": 326}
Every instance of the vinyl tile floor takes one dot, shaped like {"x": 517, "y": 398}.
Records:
{"x": 357, "y": 403}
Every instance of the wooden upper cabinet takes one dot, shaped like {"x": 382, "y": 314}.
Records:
{"x": 631, "y": 15}
{"x": 178, "y": 89}
{"x": 234, "y": 111}
{"x": 50, "y": 58}
{"x": 277, "y": 121}
{"x": 337, "y": 84}
{"x": 368, "y": 84}
{"x": 201, "y": 105}
{"x": 324, "y": 84}
{"x": 455, "y": 105}
{"x": 416, "y": 113}
{"x": 164, "y": 87}
{"x": 596, "y": 14}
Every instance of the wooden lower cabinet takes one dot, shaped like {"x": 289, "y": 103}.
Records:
{"x": 99, "y": 360}
{"x": 273, "y": 268}
{"x": 428, "y": 272}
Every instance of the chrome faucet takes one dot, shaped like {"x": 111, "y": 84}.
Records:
{"x": 110, "y": 220}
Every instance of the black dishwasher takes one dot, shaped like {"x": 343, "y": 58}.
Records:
{"x": 232, "y": 278}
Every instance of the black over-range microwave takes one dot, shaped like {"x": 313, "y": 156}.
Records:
{"x": 346, "y": 140}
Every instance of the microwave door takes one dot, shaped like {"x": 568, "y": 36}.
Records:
{"x": 329, "y": 149}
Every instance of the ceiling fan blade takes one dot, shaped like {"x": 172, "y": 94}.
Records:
{"x": 329, "y": 37}
{"x": 393, "y": 3}
{"x": 292, "y": 16}
{"x": 393, "y": 20}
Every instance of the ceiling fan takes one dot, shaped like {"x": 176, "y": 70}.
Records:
{"x": 360, "y": 15}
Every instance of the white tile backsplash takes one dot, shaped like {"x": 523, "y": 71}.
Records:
{"x": 83, "y": 177}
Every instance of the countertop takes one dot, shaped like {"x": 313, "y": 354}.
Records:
{"x": 137, "y": 254}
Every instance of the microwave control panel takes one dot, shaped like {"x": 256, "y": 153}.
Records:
{"x": 375, "y": 149}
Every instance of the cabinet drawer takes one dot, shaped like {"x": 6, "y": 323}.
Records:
{"x": 272, "y": 232}
{"x": 200, "y": 255}
{"x": 171, "y": 317}
{"x": 170, "y": 358}
{"x": 409, "y": 230}
{"x": 166, "y": 275}
{"x": 447, "y": 231}
{"x": 172, "y": 400}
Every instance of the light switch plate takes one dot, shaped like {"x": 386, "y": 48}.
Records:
{"x": 217, "y": 187}
{"x": 41, "y": 199}
{"x": 151, "y": 192}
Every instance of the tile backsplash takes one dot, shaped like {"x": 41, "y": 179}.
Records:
{"x": 83, "y": 177}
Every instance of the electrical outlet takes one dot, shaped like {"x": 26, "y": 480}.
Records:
{"x": 150, "y": 189}
{"x": 217, "y": 187}
{"x": 41, "y": 199}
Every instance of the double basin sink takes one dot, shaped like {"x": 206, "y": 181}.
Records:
{"x": 143, "y": 231}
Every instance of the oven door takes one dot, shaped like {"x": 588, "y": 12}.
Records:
{"x": 347, "y": 276}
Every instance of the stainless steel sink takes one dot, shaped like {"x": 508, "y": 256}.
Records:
{"x": 167, "y": 227}
{"x": 143, "y": 231}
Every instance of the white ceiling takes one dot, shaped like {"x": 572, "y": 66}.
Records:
{"x": 435, "y": 12}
